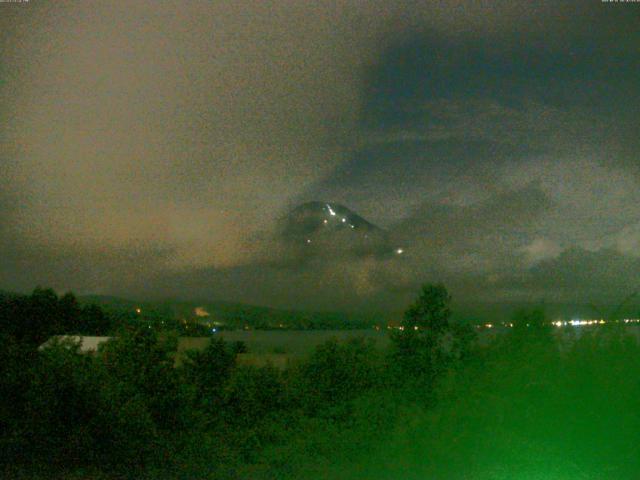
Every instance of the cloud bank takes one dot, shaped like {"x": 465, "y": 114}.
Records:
{"x": 149, "y": 149}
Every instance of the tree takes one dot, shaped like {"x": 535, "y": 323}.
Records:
{"x": 93, "y": 321}
{"x": 431, "y": 310}
{"x": 35, "y": 318}
{"x": 239, "y": 347}
{"x": 338, "y": 372}
{"x": 32, "y": 319}
{"x": 69, "y": 314}
{"x": 61, "y": 403}
{"x": 143, "y": 363}
{"x": 209, "y": 370}
{"x": 427, "y": 343}
{"x": 251, "y": 394}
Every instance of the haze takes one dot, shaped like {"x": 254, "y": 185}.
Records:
{"x": 149, "y": 149}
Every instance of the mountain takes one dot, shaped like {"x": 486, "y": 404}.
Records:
{"x": 326, "y": 228}
{"x": 315, "y": 217}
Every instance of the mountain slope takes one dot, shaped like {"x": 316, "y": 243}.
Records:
{"x": 325, "y": 228}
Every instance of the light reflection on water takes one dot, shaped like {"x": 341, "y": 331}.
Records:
{"x": 303, "y": 341}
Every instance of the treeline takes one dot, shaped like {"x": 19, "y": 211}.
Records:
{"x": 128, "y": 411}
{"x": 269, "y": 319}
{"x": 234, "y": 316}
{"x": 33, "y": 319}
{"x": 36, "y": 317}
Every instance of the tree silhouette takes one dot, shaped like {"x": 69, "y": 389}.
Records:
{"x": 431, "y": 310}
{"x": 426, "y": 343}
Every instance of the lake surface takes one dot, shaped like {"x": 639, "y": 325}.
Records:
{"x": 299, "y": 342}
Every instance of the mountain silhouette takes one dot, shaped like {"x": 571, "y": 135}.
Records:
{"x": 330, "y": 229}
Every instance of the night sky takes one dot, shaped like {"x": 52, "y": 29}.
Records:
{"x": 149, "y": 149}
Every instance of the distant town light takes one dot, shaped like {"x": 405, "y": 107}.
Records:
{"x": 399, "y": 251}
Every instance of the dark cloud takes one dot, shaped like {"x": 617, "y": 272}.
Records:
{"x": 604, "y": 275}
{"x": 388, "y": 179}
{"x": 150, "y": 148}
{"x": 503, "y": 214}
{"x": 464, "y": 246}
{"x": 113, "y": 271}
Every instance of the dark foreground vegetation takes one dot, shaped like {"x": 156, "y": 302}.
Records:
{"x": 433, "y": 405}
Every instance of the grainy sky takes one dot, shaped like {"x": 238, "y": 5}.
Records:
{"x": 147, "y": 148}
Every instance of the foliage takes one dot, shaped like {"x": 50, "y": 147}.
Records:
{"x": 129, "y": 410}
{"x": 531, "y": 403}
{"x": 336, "y": 373}
{"x": 208, "y": 371}
{"x": 428, "y": 343}
{"x": 33, "y": 319}
{"x": 431, "y": 311}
